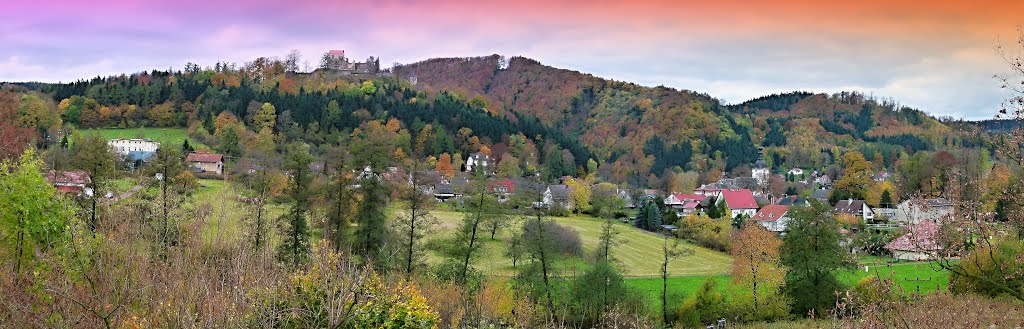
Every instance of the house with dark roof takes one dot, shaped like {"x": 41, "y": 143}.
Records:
{"x": 773, "y": 217}
{"x": 443, "y": 192}
{"x": 557, "y": 195}
{"x": 856, "y": 208}
{"x": 821, "y": 195}
{"x": 740, "y": 202}
{"x": 479, "y": 160}
{"x": 74, "y": 182}
{"x": 210, "y": 163}
{"x": 921, "y": 243}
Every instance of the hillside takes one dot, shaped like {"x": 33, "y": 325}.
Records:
{"x": 551, "y": 121}
{"x": 636, "y": 131}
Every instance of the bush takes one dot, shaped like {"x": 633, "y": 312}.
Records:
{"x": 772, "y": 307}
{"x": 706, "y": 232}
{"x": 601, "y": 287}
{"x": 706, "y": 306}
{"x": 991, "y": 271}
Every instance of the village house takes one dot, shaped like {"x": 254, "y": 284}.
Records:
{"x": 773, "y": 217}
{"x": 557, "y": 195}
{"x": 627, "y": 199}
{"x": 686, "y": 204}
{"x": 443, "y": 192}
{"x": 74, "y": 182}
{"x": 503, "y": 189}
{"x": 920, "y": 244}
{"x": 478, "y": 160}
{"x": 916, "y": 211}
{"x": 760, "y": 172}
{"x": 740, "y": 202}
{"x": 882, "y": 176}
{"x": 856, "y": 208}
{"x": 206, "y": 163}
{"x": 123, "y": 146}
{"x": 796, "y": 172}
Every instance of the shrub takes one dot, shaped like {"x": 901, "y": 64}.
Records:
{"x": 706, "y": 306}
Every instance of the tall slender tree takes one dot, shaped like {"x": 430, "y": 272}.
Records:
{"x": 295, "y": 247}
{"x": 94, "y": 156}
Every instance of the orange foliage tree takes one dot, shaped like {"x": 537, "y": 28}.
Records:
{"x": 756, "y": 261}
{"x": 444, "y": 165}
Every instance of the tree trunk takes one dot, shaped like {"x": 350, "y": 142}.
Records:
{"x": 472, "y": 236}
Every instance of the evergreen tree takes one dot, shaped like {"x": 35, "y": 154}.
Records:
{"x": 648, "y": 216}
{"x": 886, "y": 199}
{"x": 294, "y": 248}
{"x": 371, "y": 234}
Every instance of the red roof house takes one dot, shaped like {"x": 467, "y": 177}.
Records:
{"x": 773, "y": 217}
{"x": 740, "y": 202}
{"x": 206, "y": 162}
{"x": 69, "y": 181}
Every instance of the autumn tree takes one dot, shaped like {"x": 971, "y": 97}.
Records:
{"x": 508, "y": 167}
{"x": 444, "y": 165}
{"x": 294, "y": 249}
{"x": 756, "y": 264}
{"x": 856, "y": 177}
{"x": 416, "y": 221}
{"x": 266, "y": 117}
{"x": 579, "y": 192}
{"x": 604, "y": 200}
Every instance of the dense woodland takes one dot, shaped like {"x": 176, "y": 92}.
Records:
{"x": 333, "y": 229}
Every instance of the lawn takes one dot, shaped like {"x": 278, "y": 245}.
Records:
{"x": 166, "y": 136}
{"x": 907, "y": 277}
{"x": 639, "y": 253}
{"x": 227, "y": 215}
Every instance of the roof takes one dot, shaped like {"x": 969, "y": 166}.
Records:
{"x": 849, "y": 206}
{"x": 771, "y": 213}
{"x": 559, "y": 191}
{"x": 207, "y": 158}
{"x": 683, "y": 198}
{"x": 760, "y": 164}
{"x": 443, "y": 188}
{"x": 336, "y": 52}
{"x": 69, "y": 189}
{"x": 691, "y": 205}
{"x": 820, "y": 194}
{"x": 739, "y": 199}
{"x": 68, "y": 177}
{"x": 921, "y": 238}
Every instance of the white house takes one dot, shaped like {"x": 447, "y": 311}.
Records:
{"x": 857, "y": 208}
{"x": 125, "y": 146}
{"x": 796, "y": 172}
{"x": 760, "y": 172}
{"x": 915, "y": 211}
{"x": 740, "y": 202}
{"x": 773, "y": 217}
{"x": 557, "y": 195}
{"x": 483, "y": 161}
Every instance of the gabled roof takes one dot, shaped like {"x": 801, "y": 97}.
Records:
{"x": 820, "y": 194}
{"x": 739, "y": 199}
{"x": 849, "y": 206}
{"x": 922, "y": 237}
{"x": 771, "y": 213}
{"x": 206, "y": 158}
{"x": 691, "y": 204}
{"x": 443, "y": 188}
{"x": 683, "y": 198}
{"x": 559, "y": 191}
{"x": 68, "y": 177}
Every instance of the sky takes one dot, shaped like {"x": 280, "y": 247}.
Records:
{"x": 939, "y": 56}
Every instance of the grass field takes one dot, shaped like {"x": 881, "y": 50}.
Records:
{"x": 638, "y": 252}
{"x": 166, "y": 136}
{"x": 227, "y": 215}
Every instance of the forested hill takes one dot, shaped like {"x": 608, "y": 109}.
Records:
{"x": 640, "y": 131}
{"x": 549, "y": 120}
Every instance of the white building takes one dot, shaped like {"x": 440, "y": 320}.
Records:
{"x": 773, "y": 217}
{"x": 124, "y": 146}
{"x": 913, "y": 212}
{"x": 478, "y": 159}
{"x": 760, "y": 172}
